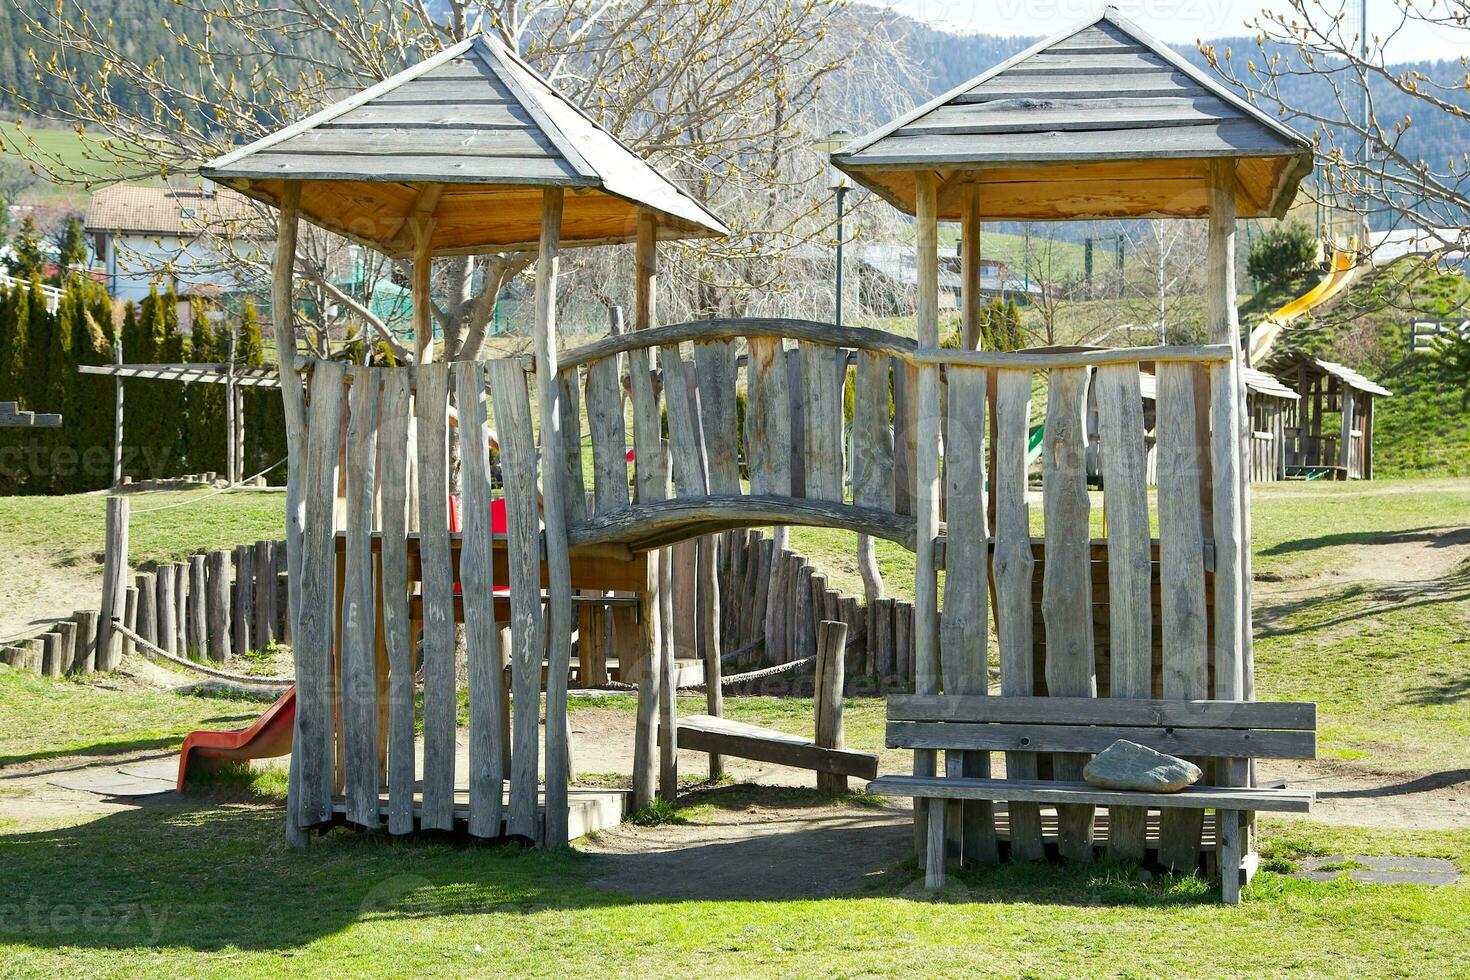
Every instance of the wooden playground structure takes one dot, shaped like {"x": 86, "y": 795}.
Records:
{"x": 1127, "y": 635}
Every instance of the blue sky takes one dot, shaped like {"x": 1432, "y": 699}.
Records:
{"x": 1177, "y": 21}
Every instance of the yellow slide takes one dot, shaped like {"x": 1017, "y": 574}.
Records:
{"x": 1343, "y": 269}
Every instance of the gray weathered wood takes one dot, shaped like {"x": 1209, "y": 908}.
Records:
{"x": 513, "y": 423}
{"x": 1068, "y": 359}
{"x": 198, "y": 622}
{"x": 768, "y": 418}
{"x": 313, "y": 745}
{"x": 166, "y": 597}
{"x": 1145, "y": 712}
{"x": 1066, "y": 602}
{"x": 263, "y": 564}
{"x": 51, "y": 655}
{"x": 965, "y": 625}
{"x": 393, "y": 432}
{"x": 684, "y": 446}
{"x": 822, "y": 419}
{"x": 182, "y": 572}
{"x": 705, "y": 733}
{"x": 574, "y": 484}
{"x": 1182, "y": 584}
{"x": 441, "y": 707}
{"x": 1204, "y": 742}
{"x": 831, "y": 675}
{"x": 872, "y": 437}
{"x": 130, "y": 618}
{"x": 359, "y": 683}
{"x": 753, "y": 328}
{"x": 715, "y": 373}
{"x": 1229, "y": 835}
{"x": 1064, "y": 793}
{"x": 482, "y": 633}
{"x": 114, "y": 580}
{"x": 1125, "y": 489}
{"x": 218, "y": 605}
{"x": 85, "y": 651}
{"x": 653, "y": 524}
{"x": 242, "y": 616}
{"x": 147, "y": 585}
{"x": 609, "y": 439}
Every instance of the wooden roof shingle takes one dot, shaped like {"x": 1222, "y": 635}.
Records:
{"x": 1100, "y": 121}
{"x": 488, "y": 133}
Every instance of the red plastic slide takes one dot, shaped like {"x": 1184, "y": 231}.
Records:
{"x": 268, "y": 737}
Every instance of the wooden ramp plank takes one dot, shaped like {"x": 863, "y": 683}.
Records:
{"x": 706, "y": 733}
{"x": 482, "y": 633}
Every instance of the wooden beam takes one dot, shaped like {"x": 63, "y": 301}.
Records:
{"x": 970, "y": 297}
{"x": 421, "y": 226}
{"x": 648, "y": 470}
{"x": 926, "y": 511}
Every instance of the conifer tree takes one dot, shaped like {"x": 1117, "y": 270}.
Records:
{"x": 205, "y": 440}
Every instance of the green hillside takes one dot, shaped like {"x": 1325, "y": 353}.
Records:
{"x": 1424, "y": 430}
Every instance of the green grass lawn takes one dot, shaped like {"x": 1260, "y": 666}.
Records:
{"x": 206, "y": 886}
{"x": 70, "y": 530}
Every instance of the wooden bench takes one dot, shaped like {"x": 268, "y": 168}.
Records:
{"x": 1228, "y": 732}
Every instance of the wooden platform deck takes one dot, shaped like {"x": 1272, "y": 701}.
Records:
{"x": 706, "y": 733}
{"x": 589, "y": 809}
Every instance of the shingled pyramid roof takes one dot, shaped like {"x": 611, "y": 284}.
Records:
{"x": 483, "y": 133}
{"x": 1100, "y": 121}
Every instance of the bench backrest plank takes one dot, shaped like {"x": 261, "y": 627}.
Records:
{"x": 1208, "y": 742}
{"x": 1288, "y": 715}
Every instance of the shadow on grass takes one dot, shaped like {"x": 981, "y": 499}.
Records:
{"x": 1422, "y": 784}
{"x": 121, "y": 746}
{"x": 1435, "y": 536}
{"x": 1363, "y": 602}
{"x": 210, "y": 876}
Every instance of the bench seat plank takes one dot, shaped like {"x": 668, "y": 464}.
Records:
{"x": 1049, "y": 792}
{"x": 706, "y": 733}
{"x": 1288, "y": 715}
{"x": 1205, "y": 742}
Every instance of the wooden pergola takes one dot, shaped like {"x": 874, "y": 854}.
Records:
{"x": 468, "y": 152}
{"x": 1322, "y": 387}
{"x": 1100, "y": 121}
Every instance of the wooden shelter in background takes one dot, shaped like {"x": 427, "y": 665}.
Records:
{"x": 468, "y": 152}
{"x": 1101, "y": 121}
{"x": 1328, "y": 428}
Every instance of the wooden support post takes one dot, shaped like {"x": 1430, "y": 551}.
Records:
{"x": 650, "y": 486}
{"x": 553, "y": 492}
{"x": 926, "y": 586}
{"x": 263, "y": 565}
{"x": 831, "y": 676}
{"x": 242, "y": 616}
{"x": 51, "y": 655}
{"x": 421, "y": 226}
{"x": 217, "y": 605}
{"x": 147, "y": 586}
{"x": 168, "y": 629}
{"x": 232, "y": 476}
{"x": 68, "y": 630}
{"x": 709, "y": 622}
{"x": 293, "y": 399}
{"x": 117, "y": 416}
{"x": 85, "y": 658}
{"x": 129, "y": 618}
{"x": 197, "y": 623}
{"x": 114, "y": 582}
{"x": 970, "y": 295}
{"x": 181, "y": 608}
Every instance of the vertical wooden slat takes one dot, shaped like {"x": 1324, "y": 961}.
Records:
{"x": 872, "y": 437}
{"x": 651, "y": 485}
{"x": 263, "y": 564}
{"x": 217, "y": 604}
{"x": 482, "y": 633}
{"x": 684, "y": 455}
{"x": 571, "y": 436}
{"x": 437, "y": 584}
{"x": 905, "y": 434}
{"x": 168, "y": 627}
{"x": 1066, "y": 601}
{"x": 964, "y": 628}
{"x": 393, "y": 571}
{"x": 359, "y": 619}
{"x": 147, "y": 607}
{"x": 197, "y": 623}
{"x": 242, "y": 617}
{"x": 313, "y": 747}
{"x": 1182, "y": 583}
{"x": 714, "y": 368}
{"x": 768, "y": 418}
{"x": 523, "y": 550}
{"x": 926, "y": 493}
{"x": 1130, "y": 629}
{"x": 822, "y": 409}
{"x": 609, "y": 439}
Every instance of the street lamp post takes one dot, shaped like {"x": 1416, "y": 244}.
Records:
{"x": 839, "y": 183}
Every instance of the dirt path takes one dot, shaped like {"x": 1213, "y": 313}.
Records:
{"x": 35, "y": 590}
